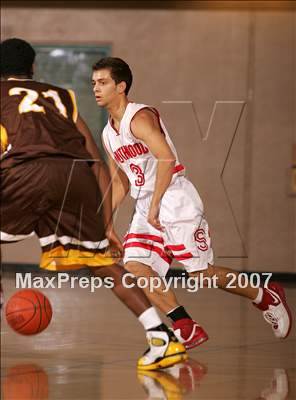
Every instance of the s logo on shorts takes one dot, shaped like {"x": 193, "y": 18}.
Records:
{"x": 199, "y": 236}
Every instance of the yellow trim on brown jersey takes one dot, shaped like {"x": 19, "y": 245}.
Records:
{"x": 75, "y": 108}
{"x": 3, "y": 138}
{"x": 60, "y": 259}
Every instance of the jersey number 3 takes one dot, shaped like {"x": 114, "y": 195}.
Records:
{"x": 140, "y": 181}
{"x": 28, "y": 103}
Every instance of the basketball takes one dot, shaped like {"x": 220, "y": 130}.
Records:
{"x": 28, "y": 312}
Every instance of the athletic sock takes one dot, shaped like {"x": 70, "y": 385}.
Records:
{"x": 259, "y": 297}
{"x": 150, "y": 319}
{"x": 178, "y": 313}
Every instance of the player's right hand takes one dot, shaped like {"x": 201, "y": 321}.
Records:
{"x": 153, "y": 217}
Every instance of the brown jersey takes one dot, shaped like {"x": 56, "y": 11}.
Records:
{"x": 38, "y": 120}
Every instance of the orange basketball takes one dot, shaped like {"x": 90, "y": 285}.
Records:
{"x": 28, "y": 312}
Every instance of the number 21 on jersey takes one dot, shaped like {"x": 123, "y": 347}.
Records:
{"x": 28, "y": 103}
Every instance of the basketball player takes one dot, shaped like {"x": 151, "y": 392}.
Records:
{"x": 50, "y": 187}
{"x": 168, "y": 220}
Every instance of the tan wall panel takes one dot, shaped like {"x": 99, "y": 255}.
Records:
{"x": 271, "y": 224}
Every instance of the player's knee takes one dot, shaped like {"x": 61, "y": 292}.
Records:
{"x": 205, "y": 275}
{"x": 132, "y": 267}
{"x": 115, "y": 272}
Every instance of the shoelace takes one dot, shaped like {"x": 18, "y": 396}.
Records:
{"x": 271, "y": 317}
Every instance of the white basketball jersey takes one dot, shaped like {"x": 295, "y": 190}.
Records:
{"x": 133, "y": 156}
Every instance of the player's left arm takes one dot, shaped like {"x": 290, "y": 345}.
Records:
{"x": 103, "y": 179}
{"x": 145, "y": 126}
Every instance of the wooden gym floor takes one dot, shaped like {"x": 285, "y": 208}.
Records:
{"x": 90, "y": 349}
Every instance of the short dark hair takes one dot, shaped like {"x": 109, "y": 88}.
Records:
{"x": 17, "y": 57}
{"x": 119, "y": 70}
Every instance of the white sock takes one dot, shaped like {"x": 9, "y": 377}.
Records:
{"x": 150, "y": 319}
{"x": 259, "y": 296}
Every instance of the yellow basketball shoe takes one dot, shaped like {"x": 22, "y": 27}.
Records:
{"x": 164, "y": 351}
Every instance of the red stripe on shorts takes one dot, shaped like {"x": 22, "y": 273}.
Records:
{"x": 175, "y": 247}
{"x": 143, "y": 236}
{"x": 184, "y": 256}
{"x": 150, "y": 247}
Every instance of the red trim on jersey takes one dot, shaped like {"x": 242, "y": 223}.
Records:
{"x": 113, "y": 127}
{"x": 158, "y": 117}
{"x": 112, "y": 122}
{"x": 178, "y": 168}
{"x": 183, "y": 256}
{"x": 150, "y": 247}
{"x": 175, "y": 247}
{"x": 143, "y": 236}
{"x": 155, "y": 112}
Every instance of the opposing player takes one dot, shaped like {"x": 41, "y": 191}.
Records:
{"x": 50, "y": 187}
{"x": 168, "y": 220}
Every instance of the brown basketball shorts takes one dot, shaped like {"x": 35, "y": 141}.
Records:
{"x": 60, "y": 202}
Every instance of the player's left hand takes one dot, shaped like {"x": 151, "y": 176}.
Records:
{"x": 115, "y": 247}
{"x": 153, "y": 217}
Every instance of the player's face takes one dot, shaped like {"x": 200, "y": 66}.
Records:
{"x": 104, "y": 87}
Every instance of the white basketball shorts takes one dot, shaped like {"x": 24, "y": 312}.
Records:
{"x": 186, "y": 235}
